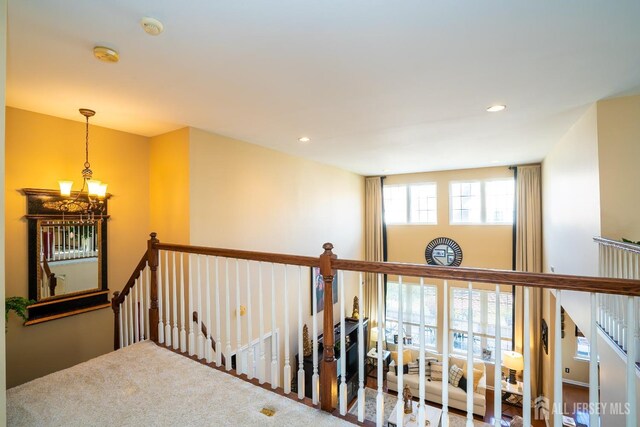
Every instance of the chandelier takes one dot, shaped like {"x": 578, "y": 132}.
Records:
{"x": 90, "y": 199}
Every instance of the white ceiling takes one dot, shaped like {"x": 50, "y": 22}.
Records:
{"x": 379, "y": 86}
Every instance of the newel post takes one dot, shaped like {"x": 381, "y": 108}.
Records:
{"x": 152, "y": 259}
{"x": 115, "y": 306}
{"x": 328, "y": 368}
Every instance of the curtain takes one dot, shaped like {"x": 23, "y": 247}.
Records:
{"x": 373, "y": 251}
{"x": 529, "y": 258}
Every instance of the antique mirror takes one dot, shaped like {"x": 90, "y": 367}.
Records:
{"x": 67, "y": 255}
{"x": 443, "y": 251}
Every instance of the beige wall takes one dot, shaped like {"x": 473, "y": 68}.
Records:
{"x": 3, "y": 67}
{"x": 39, "y": 151}
{"x": 571, "y": 200}
{"x": 578, "y": 369}
{"x": 619, "y": 152}
{"x": 169, "y": 186}
{"x": 253, "y": 198}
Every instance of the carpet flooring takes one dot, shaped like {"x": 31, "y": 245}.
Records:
{"x": 144, "y": 385}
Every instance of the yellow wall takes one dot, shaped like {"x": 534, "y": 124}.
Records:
{"x": 578, "y": 369}
{"x": 169, "y": 186}
{"x": 39, "y": 151}
{"x": 3, "y": 67}
{"x": 619, "y": 152}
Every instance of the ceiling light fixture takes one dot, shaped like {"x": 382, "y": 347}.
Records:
{"x": 91, "y": 202}
{"x": 304, "y": 139}
{"x": 496, "y": 108}
{"x": 151, "y": 26}
{"x": 106, "y": 54}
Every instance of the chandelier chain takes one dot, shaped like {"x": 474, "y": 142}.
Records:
{"x": 86, "y": 146}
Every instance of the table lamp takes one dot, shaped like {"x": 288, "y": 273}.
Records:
{"x": 374, "y": 334}
{"x": 513, "y": 361}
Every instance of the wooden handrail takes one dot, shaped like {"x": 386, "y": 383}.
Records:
{"x": 203, "y": 328}
{"x": 248, "y": 255}
{"x": 503, "y": 277}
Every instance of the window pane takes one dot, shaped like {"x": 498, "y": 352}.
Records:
{"x": 465, "y": 202}
{"x": 395, "y": 204}
{"x": 583, "y": 348}
{"x": 499, "y": 201}
{"x": 423, "y": 203}
{"x": 411, "y": 312}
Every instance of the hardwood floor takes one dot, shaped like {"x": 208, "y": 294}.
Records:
{"x": 573, "y": 396}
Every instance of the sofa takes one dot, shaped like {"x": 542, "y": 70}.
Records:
{"x": 433, "y": 389}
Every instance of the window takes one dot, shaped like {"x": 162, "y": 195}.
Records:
{"x": 465, "y": 202}
{"x": 499, "y": 201}
{"x": 410, "y": 204}
{"x": 484, "y": 321}
{"x": 411, "y": 312}
{"x": 487, "y": 202}
{"x": 583, "y": 349}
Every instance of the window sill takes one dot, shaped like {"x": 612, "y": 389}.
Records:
{"x": 581, "y": 359}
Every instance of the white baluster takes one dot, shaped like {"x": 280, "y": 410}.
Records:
{"x": 125, "y": 323}
{"x": 238, "y": 321}
{"x": 381, "y": 337}
{"x": 497, "y": 374}
{"x": 192, "y": 336}
{"x": 218, "y": 323}
{"x": 526, "y": 375}
{"x": 148, "y": 305}
{"x": 176, "y": 333}
{"x": 167, "y": 307}
{"x": 445, "y": 353}
{"x": 632, "y": 397}
{"x": 183, "y": 314}
{"x": 557, "y": 364}
{"x": 227, "y": 350}
{"x": 287, "y": 350}
{"x": 274, "y": 350}
{"x": 469, "y": 359}
{"x": 301, "y": 389}
{"x": 315, "y": 386}
{"x": 400, "y": 364}
{"x": 593, "y": 366}
{"x": 136, "y": 334}
{"x": 143, "y": 305}
{"x": 262, "y": 363}
{"x": 200, "y": 345}
{"x": 421, "y": 384}
{"x": 361, "y": 347}
{"x": 251, "y": 354}
{"x": 121, "y": 326}
{"x": 207, "y": 345}
{"x": 343, "y": 355}
{"x": 130, "y": 299}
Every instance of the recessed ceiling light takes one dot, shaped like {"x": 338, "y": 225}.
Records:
{"x": 106, "y": 54}
{"x": 496, "y": 108}
{"x": 386, "y": 170}
{"x": 304, "y": 139}
{"x": 151, "y": 26}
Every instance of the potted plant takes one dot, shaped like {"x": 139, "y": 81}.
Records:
{"x": 18, "y": 305}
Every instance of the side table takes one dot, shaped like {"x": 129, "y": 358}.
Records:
{"x": 372, "y": 362}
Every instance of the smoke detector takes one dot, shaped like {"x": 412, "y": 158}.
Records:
{"x": 106, "y": 54}
{"x": 151, "y": 26}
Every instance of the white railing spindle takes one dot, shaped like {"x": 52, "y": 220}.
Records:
{"x": 227, "y": 350}
{"x": 142, "y": 300}
{"x": 218, "y": 324}
{"x": 593, "y": 366}
{"x": 287, "y": 366}
{"x": 176, "y": 333}
{"x": 421, "y": 384}
{"x": 469, "y": 360}
{"x": 557, "y": 362}
{"x": 148, "y": 299}
{"x": 381, "y": 337}
{"x": 192, "y": 336}
{"x": 160, "y": 300}
{"x": 301, "y": 389}
{"x": 167, "y": 301}
{"x": 200, "y": 345}
{"x": 400, "y": 364}
{"x": 207, "y": 345}
{"x": 361, "y": 347}
{"x": 262, "y": 368}
{"x": 445, "y": 354}
{"x": 183, "y": 314}
{"x": 632, "y": 397}
{"x": 315, "y": 386}
{"x": 343, "y": 356}
{"x": 497, "y": 374}
{"x": 136, "y": 325}
{"x": 251, "y": 354}
{"x": 238, "y": 320}
{"x": 526, "y": 375}
{"x": 274, "y": 349}
{"x": 121, "y": 326}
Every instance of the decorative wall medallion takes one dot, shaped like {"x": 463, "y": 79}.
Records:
{"x": 443, "y": 251}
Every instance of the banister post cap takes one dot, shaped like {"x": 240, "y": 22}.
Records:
{"x": 327, "y": 247}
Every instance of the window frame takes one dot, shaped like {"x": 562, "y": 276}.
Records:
{"x": 483, "y": 202}
{"x": 409, "y": 203}
{"x": 435, "y": 327}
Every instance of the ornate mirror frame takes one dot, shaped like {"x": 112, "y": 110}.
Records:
{"x": 453, "y": 254}
{"x": 45, "y": 205}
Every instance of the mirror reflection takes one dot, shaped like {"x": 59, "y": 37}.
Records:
{"x": 69, "y": 257}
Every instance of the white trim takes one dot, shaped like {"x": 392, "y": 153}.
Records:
{"x": 578, "y": 383}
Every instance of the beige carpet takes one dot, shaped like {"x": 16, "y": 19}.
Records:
{"x": 391, "y": 401}
{"x": 145, "y": 385}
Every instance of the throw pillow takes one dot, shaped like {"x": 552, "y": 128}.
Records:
{"x": 406, "y": 356}
{"x": 414, "y": 367}
{"x": 436, "y": 371}
{"x": 463, "y": 383}
{"x": 477, "y": 375}
{"x": 405, "y": 369}
{"x": 455, "y": 374}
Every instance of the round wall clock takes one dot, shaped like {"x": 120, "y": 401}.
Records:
{"x": 443, "y": 251}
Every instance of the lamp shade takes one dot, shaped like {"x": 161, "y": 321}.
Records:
{"x": 374, "y": 333}
{"x": 65, "y": 187}
{"x": 94, "y": 187}
{"x": 512, "y": 360}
